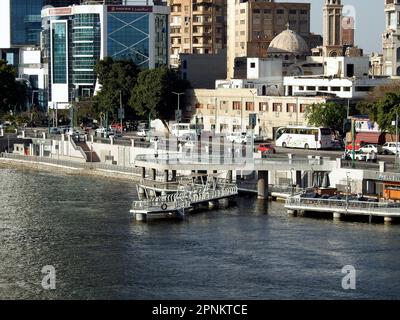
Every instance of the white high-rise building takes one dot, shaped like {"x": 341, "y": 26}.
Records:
{"x": 391, "y": 41}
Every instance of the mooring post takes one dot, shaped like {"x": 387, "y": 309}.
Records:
{"x": 262, "y": 185}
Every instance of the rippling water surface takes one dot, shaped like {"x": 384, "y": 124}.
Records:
{"x": 82, "y": 226}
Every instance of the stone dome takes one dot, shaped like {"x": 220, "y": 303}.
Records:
{"x": 288, "y": 42}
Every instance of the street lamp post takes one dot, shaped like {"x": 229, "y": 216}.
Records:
{"x": 397, "y": 139}
{"x": 177, "y": 117}
{"x": 291, "y": 181}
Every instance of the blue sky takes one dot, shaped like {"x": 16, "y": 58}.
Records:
{"x": 370, "y": 21}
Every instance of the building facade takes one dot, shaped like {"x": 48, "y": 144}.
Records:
{"x": 227, "y": 110}
{"x": 391, "y": 38}
{"x": 76, "y": 37}
{"x": 197, "y": 26}
{"x": 253, "y": 24}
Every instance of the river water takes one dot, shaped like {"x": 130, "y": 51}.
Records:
{"x": 81, "y": 225}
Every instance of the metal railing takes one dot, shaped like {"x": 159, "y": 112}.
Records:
{"x": 351, "y": 205}
{"x": 183, "y": 199}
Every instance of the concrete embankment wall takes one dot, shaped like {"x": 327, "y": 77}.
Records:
{"x": 31, "y": 166}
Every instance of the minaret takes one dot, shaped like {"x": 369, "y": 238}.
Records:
{"x": 390, "y": 39}
{"x": 332, "y": 45}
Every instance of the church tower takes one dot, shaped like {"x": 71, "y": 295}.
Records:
{"x": 390, "y": 39}
{"x": 332, "y": 27}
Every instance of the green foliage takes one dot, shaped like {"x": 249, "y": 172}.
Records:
{"x": 385, "y": 109}
{"x": 12, "y": 93}
{"x": 115, "y": 77}
{"x": 330, "y": 115}
{"x": 153, "y": 94}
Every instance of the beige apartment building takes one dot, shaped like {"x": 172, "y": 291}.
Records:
{"x": 197, "y": 26}
{"x": 228, "y": 110}
{"x": 253, "y": 24}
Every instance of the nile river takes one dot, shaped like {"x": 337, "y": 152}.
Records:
{"x": 81, "y": 225}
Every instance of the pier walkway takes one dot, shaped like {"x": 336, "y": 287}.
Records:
{"x": 388, "y": 210}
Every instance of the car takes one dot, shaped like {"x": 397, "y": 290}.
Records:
{"x": 142, "y": 133}
{"x": 369, "y": 148}
{"x": 358, "y": 155}
{"x": 118, "y": 127}
{"x": 390, "y": 148}
{"x": 266, "y": 148}
{"x": 237, "y": 137}
{"x": 55, "y": 130}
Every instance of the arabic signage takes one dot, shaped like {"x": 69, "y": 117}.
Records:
{"x": 129, "y": 9}
{"x": 60, "y": 11}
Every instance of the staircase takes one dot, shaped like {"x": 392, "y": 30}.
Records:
{"x": 91, "y": 156}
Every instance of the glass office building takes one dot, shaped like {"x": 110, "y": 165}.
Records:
{"x": 25, "y": 22}
{"x": 75, "y": 38}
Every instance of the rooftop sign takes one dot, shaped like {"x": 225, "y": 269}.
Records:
{"x": 60, "y": 11}
{"x": 129, "y": 9}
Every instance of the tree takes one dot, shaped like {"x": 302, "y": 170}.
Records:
{"x": 330, "y": 115}
{"x": 153, "y": 93}
{"x": 12, "y": 93}
{"x": 115, "y": 77}
{"x": 385, "y": 111}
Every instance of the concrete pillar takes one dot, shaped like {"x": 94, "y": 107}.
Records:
{"x": 111, "y": 140}
{"x": 141, "y": 192}
{"x": 91, "y": 138}
{"x": 1, "y": 132}
{"x": 223, "y": 203}
{"x": 290, "y": 156}
{"x": 143, "y": 172}
{"x": 230, "y": 176}
{"x": 292, "y": 213}
{"x": 41, "y": 148}
{"x": 388, "y": 220}
{"x": 44, "y": 135}
{"x": 337, "y": 215}
{"x": 173, "y": 177}
{"x": 23, "y": 134}
{"x": 139, "y": 216}
{"x": 262, "y": 185}
{"x": 165, "y": 175}
{"x": 153, "y": 174}
{"x": 382, "y": 166}
{"x": 298, "y": 178}
{"x": 132, "y": 143}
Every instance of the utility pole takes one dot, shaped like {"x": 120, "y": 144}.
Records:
{"x": 178, "y": 113}
{"x": 397, "y": 139}
{"x": 353, "y": 143}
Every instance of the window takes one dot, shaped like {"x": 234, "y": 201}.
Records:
{"x": 346, "y": 89}
{"x": 323, "y": 88}
{"x": 291, "y": 107}
{"x": 292, "y": 11}
{"x": 277, "y": 107}
{"x": 249, "y": 106}
{"x": 263, "y": 106}
{"x": 301, "y": 88}
{"x": 303, "y": 108}
{"x": 280, "y": 11}
{"x": 311, "y": 88}
{"x": 252, "y": 65}
{"x": 335, "y": 89}
{"x": 236, "y": 105}
{"x": 199, "y": 106}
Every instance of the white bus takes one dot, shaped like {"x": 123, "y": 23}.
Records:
{"x": 183, "y": 129}
{"x": 304, "y": 137}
